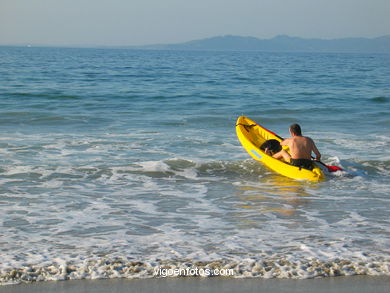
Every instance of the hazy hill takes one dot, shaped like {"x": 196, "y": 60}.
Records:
{"x": 281, "y": 43}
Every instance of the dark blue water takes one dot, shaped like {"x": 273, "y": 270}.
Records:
{"x": 113, "y": 157}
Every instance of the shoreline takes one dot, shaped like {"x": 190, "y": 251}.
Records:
{"x": 353, "y": 284}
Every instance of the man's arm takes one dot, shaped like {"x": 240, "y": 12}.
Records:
{"x": 285, "y": 142}
{"x": 315, "y": 150}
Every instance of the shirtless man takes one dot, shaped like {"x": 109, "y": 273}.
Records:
{"x": 300, "y": 149}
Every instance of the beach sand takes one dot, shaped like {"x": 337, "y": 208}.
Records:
{"x": 354, "y": 284}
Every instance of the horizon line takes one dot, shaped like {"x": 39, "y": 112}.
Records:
{"x": 29, "y": 44}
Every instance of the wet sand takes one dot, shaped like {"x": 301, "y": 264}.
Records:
{"x": 354, "y": 284}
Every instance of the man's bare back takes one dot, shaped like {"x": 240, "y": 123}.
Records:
{"x": 301, "y": 147}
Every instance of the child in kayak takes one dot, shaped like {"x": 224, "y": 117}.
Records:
{"x": 273, "y": 148}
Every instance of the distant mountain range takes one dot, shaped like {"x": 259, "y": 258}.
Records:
{"x": 280, "y": 43}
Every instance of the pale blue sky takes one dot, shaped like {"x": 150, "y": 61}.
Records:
{"x": 138, "y": 22}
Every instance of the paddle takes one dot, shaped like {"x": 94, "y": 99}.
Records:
{"x": 330, "y": 168}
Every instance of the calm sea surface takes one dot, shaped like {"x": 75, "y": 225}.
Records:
{"x": 117, "y": 163}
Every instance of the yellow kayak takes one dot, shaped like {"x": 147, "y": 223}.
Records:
{"x": 252, "y": 136}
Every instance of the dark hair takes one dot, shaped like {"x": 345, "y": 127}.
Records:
{"x": 272, "y": 144}
{"x": 296, "y": 129}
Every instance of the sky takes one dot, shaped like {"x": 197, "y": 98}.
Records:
{"x": 142, "y": 22}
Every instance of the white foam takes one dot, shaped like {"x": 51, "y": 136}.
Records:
{"x": 154, "y": 166}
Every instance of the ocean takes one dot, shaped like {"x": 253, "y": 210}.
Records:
{"x": 125, "y": 164}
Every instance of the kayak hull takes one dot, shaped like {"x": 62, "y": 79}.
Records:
{"x": 252, "y": 136}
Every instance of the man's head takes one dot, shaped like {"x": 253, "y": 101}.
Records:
{"x": 295, "y": 129}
